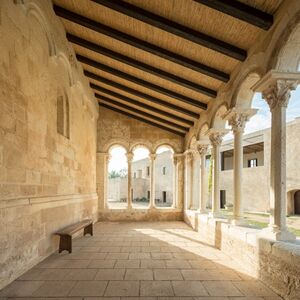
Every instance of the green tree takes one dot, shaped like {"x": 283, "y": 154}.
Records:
{"x": 113, "y": 174}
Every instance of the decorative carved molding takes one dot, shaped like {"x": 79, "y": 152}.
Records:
{"x": 279, "y": 92}
{"x": 238, "y": 122}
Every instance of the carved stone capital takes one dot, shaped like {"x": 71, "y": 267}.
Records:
{"x": 216, "y": 138}
{"x": 279, "y": 93}
{"x": 202, "y": 149}
{"x": 189, "y": 156}
{"x": 129, "y": 156}
{"x": 152, "y": 156}
{"x": 238, "y": 122}
{"x": 177, "y": 158}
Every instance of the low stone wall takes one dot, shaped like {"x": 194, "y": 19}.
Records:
{"x": 28, "y": 226}
{"x": 156, "y": 214}
{"x": 277, "y": 264}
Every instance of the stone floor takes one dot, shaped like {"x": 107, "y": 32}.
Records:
{"x": 130, "y": 260}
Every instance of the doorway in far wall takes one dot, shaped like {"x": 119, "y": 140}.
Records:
{"x": 222, "y": 198}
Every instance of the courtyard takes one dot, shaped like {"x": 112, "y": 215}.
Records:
{"x": 150, "y": 260}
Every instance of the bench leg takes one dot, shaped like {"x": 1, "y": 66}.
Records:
{"x": 88, "y": 229}
{"x": 65, "y": 243}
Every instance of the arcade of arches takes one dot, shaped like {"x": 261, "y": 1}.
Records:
{"x": 116, "y": 112}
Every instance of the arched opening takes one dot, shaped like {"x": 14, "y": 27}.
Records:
{"x": 117, "y": 178}
{"x": 140, "y": 173}
{"x": 164, "y": 177}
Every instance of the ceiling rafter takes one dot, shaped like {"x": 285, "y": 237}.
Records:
{"x": 151, "y": 99}
{"x": 136, "y": 80}
{"x": 139, "y": 65}
{"x": 142, "y": 119}
{"x": 241, "y": 11}
{"x": 140, "y": 44}
{"x": 132, "y": 91}
{"x": 175, "y": 28}
{"x": 140, "y": 112}
{"x": 145, "y": 106}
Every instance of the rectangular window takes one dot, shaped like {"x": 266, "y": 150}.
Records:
{"x": 134, "y": 175}
{"x": 252, "y": 163}
{"x": 148, "y": 171}
{"x": 164, "y": 196}
{"x": 148, "y": 195}
{"x": 164, "y": 169}
{"x": 222, "y": 198}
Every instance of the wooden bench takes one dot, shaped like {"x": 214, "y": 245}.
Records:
{"x": 65, "y": 242}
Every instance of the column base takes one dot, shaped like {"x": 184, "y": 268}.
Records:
{"x": 277, "y": 235}
{"x": 201, "y": 211}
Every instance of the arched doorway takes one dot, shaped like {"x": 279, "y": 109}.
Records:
{"x": 297, "y": 202}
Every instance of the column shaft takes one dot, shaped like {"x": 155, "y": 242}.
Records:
{"x": 152, "y": 180}
{"x": 129, "y": 180}
{"x": 202, "y": 205}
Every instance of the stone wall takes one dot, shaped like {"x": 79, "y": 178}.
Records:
{"x": 47, "y": 180}
{"x": 117, "y": 129}
{"x": 275, "y": 263}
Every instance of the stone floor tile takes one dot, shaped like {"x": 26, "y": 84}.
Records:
{"x": 89, "y": 249}
{"x": 138, "y": 274}
{"x": 156, "y": 288}
{"x": 110, "y": 249}
{"x": 213, "y": 298}
{"x": 160, "y": 255}
{"x": 102, "y": 264}
{"x": 202, "y": 264}
{"x": 123, "y": 288}
{"x": 177, "y": 264}
{"x": 21, "y": 288}
{"x": 153, "y": 264}
{"x": 196, "y": 274}
{"x": 117, "y": 255}
{"x": 131, "y": 249}
{"x": 141, "y": 255}
{"x": 86, "y": 255}
{"x": 89, "y": 288}
{"x": 167, "y": 274}
{"x": 150, "y": 249}
{"x": 127, "y": 264}
{"x": 110, "y": 274}
{"x": 189, "y": 288}
{"x": 246, "y": 298}
{"x": 221, "y": 288}
{"x": 254, "y": 288}
{"x": 138, "y": 298}
{"x": 223, "y": 274}
{"x": 54, "y": 289}
{"x": 64, "y": 264}
{"x": 99, "y": 298}
{"x": 80, "y": 274}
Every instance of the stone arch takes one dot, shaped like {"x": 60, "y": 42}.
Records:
{"x": 243, "y": 95}
{"x": 217, "y": 120}
{"x": 286, "y": 57}
{"x": 144, "y": 144}
{"x": 116, "y": 142}
{"x": 61, "y": 57}
{"x": 193, "y": 142}
{"x": 201, "y": 136}
{"x": 33, "y": 10}
{"x": 166, "y": 142}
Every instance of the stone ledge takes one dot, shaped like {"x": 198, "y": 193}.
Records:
{"x": 8, "y": 203}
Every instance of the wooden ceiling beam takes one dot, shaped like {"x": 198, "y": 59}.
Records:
{"x": 132, "y": 91}
{"x": 175, "y": 28}
{"x": 151, "y": 99}
{"x": 142, "y": 119}
{"x": 149, "y": 108}
{"x": 140, "y": 44}
{"x": 140, "y": 112}
{"x": 241, "y": 11}
{"x": 139, "y": 65}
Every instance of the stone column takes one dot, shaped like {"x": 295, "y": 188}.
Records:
{"x": 202, "y": 149}
{"x": 179, "y": 185}
{"x": 175, "y": 181}
{"x": 107, "y": 158}
{"x": 216, "y": 141}
{"x": 237, "y": 120}
{"x": 152, "y": 158}
{"x": 102, "y": 179}
{"x": 194, "y": 200}
{"x": 276, "y": 88}
{"x": 187, "y": 179}
{"x": 129, "y": 180}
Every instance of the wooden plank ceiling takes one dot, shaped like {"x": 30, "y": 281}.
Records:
{"x": 162, "y": 61}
